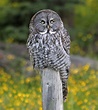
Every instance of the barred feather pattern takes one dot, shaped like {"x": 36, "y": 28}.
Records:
{"x": 52, "y": 51}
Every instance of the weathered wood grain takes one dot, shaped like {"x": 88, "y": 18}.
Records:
{"x": 51, "y": 90}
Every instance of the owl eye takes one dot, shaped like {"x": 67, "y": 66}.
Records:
{"x": 42, "y": 21}
{"x": 52, "y": 21}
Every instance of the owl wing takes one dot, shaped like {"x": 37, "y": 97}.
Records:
{"x": 65, "y": 38}
{"x": 66, "y": 41}
{"x": 30, "y": 42}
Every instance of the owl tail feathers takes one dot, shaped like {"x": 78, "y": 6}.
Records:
{"x": 64, "y": 78}
{"x": 65, "y": 92}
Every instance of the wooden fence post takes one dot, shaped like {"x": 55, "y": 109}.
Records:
{"x": 51, "y": 90}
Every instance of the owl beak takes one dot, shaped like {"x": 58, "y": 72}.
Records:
{"x": 48, "y": 27}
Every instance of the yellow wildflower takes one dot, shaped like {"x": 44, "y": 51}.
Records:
{"x": 1, "y": 100}
{"x": 86, "y": 67}
{"x": 85, "y": 100}
{"x": 39, "y": 102}
{"x": 75, "y": 71}
{"x": 26, "y": 101}
{"x": 10, "y": 40}
{"x": 10, "y": 57}
{"x": 29, "y": 68}
{"x": 87, "y": 93}
{"x": 79, "y": 102}
{"x": 17, "y": 103}
{"x": 28, "y": 80}
{"x": 10, "y": 95}
{"x": 40, "y": 108}
{"x": 83, "y": 83}
{"x": 1, "y": 92}
{"x": 5, "y": 88}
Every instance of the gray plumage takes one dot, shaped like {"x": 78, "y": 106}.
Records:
{"x": 49, "y": 44}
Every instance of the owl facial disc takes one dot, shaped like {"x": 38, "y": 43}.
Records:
{"x": 46, "y": 22}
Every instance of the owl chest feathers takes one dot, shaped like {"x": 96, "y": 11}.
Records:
{"x": 48, "y": 51}
{"x": 47, "y": 43}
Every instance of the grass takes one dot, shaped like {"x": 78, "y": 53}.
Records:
{"x": 20, "y": 93}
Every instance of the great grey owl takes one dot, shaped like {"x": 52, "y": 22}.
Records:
{"x": 49, "y": 44}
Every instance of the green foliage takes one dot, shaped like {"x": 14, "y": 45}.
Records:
{"x": 86, "y": 23}
{"x": 15, "y": 16}
{"x": 86, "y": 17}
{"x": 4, "y": 2}
{"x": 79, "y": 16}
{"x": 17, "y": 34}
{"x": 14, "y": 20}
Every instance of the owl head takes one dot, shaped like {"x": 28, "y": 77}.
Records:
{"x": 46, "y": 21}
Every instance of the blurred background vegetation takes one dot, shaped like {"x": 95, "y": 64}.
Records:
{"x": 79, "y": 16}
{"x": 20, "y": 87}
